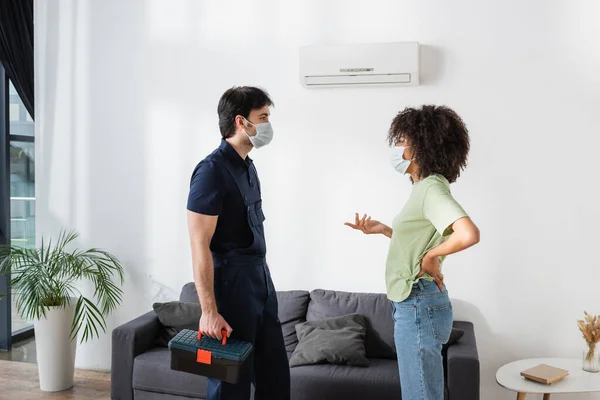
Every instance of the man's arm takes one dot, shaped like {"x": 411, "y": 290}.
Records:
{"x": 201, "y": 229}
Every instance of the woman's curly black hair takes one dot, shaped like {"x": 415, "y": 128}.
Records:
{"x": 438, "y": 137}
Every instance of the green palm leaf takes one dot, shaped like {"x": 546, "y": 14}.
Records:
{"x": 48, "y": 276}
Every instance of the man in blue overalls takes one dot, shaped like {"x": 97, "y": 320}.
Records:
{"x": 225, "y": 220}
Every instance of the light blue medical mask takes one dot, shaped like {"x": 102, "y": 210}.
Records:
{"x": 397, "y": 158}
{"x": 264, "y": 134}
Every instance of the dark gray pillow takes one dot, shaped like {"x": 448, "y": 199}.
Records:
{"x": 174, "y": 317}
{"x": 455, "y": 336}
{"x": 376, "y": 308}
{"x": 292, "y": 311}
{"x": 338, "y": 340}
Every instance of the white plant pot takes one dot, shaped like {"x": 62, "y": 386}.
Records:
{"x": 55, "y": 350}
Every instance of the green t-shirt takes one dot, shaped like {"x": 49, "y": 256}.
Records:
{"x": 424, "y": 223}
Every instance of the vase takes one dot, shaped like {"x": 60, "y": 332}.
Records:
{"x": 591, "y": 359}
{"x": 55, "y": 349}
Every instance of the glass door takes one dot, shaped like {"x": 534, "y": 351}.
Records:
{"x": 17, "y": 180}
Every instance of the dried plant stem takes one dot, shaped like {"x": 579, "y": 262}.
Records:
{"x": 590, "y": 329}
{"x": 591, "y": 352}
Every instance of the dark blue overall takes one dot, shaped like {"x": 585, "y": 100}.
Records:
{"x": 244, "y": 291}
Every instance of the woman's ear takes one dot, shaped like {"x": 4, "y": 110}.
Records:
{"x": 409, "y": 153}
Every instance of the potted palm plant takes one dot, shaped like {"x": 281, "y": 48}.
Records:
{"x": 44, "y": 281}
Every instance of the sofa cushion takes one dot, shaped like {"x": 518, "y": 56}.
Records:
{"x": 338, "y": 340}
{"x": 378, "y": 381}
{"x": 189, "y": 294}
{"x": 175, "y": 316}
{"x": 376, "y": 308}
{"x": 292, "y": 311}
{"x": 152, "y": 372}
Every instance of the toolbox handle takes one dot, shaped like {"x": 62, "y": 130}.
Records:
{"x": 223, "y": 332}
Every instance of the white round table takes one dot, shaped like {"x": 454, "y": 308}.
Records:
{"x": 578, "y": 380}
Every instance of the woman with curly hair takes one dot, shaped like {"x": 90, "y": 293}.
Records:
{"x": 431, "y": 145}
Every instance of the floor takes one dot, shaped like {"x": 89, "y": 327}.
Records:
{"x": 19, "y": 378}
{"x": 23, "y": 351}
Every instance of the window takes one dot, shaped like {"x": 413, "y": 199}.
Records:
{"x": 17, "y": 133}
{"x": 22, "y": 185}
{"x": 22, "y": 173}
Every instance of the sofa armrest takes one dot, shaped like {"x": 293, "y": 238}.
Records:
{"x": 128, "y": 341}
{"x": 463, "y": 365}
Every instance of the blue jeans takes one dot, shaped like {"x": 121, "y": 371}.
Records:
{"x": 422, "y": 324}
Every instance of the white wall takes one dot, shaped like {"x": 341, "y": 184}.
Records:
{"x": 126, "y": 106}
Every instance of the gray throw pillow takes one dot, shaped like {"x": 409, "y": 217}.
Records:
{"x": 292, "y": 311}
{"x": 338, "y": 340}
{"x": 174, "y": 317}
{"x": 454, "y": 337}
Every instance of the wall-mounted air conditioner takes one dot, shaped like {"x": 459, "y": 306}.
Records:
{"x": 378, "y": 64}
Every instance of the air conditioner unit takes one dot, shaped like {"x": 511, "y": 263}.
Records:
{"x": 378, "y": 64}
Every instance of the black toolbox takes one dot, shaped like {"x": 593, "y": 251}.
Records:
{"x": 227, "y": 360}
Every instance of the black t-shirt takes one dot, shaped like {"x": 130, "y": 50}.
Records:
{"x": 213, "y": 191}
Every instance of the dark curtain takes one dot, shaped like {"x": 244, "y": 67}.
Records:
{"x": 16, "y": 47}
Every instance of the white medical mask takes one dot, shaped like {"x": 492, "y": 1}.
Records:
{"x": 264, "y": 134}
{"x": 397, "y": 158}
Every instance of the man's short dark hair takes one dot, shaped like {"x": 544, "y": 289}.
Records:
{"x": 239, "y": 101}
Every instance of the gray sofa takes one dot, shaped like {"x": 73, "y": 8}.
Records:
{"x": 141, "y": 371}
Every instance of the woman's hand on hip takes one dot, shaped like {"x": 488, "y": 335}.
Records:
{"x": 369, "y": 226}
{"x": 431, "y": 265}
